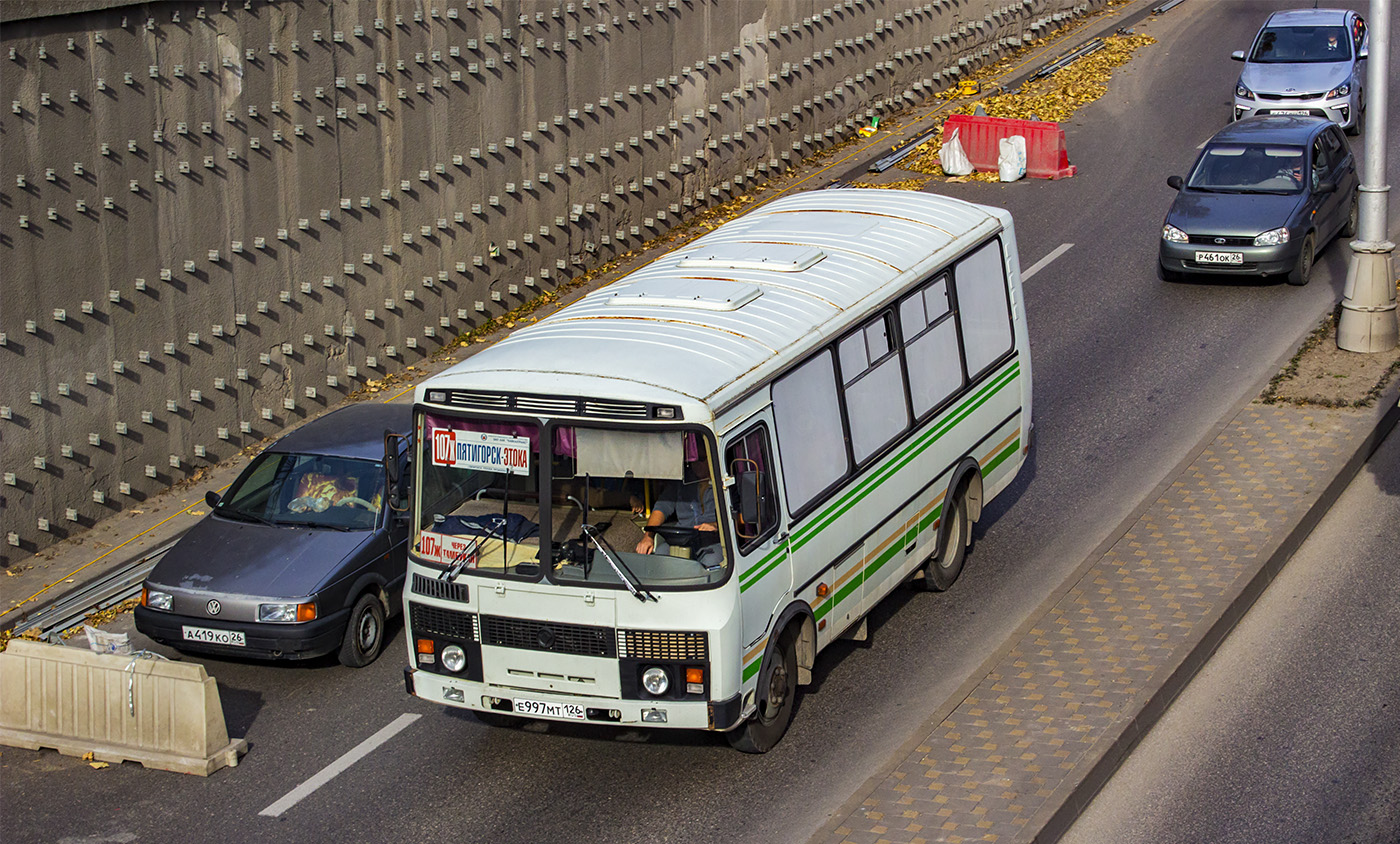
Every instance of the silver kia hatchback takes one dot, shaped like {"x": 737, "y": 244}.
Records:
{"x": 1306, "y": 62}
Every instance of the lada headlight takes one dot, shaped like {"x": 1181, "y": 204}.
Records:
{"x": 1172, "y": 234}
{"x": 1274, "y": 237}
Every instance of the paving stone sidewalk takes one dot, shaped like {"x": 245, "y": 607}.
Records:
{"x": 1022, "y": 748}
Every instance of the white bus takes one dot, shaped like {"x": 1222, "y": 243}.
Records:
{"x": 657, "y": 506}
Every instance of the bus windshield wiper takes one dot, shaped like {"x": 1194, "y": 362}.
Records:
{"x": 630, "y": 580}
{"x": 459, "y": 562}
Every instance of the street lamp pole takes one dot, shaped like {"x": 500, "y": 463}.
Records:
{"x": 1368, "y": 320}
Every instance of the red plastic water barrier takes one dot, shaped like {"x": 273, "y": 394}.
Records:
{"x": 1046, "y": 156}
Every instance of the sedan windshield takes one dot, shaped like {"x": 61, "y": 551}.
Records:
{"x": 308, "y": 490}
{"x": 1301, "y": 44}
{"x": 1248, "y": 168}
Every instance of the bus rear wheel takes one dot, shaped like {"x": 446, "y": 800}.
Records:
{"x": 761, "y": 733}
{"x": 945, "y": 565}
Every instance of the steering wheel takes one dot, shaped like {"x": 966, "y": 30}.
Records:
{"x": 354, "y": 502}
{"x": 683, "y": 537}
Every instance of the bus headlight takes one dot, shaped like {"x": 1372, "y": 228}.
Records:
{"x": 454, "y": 659}
{"x": 655, "y": 681}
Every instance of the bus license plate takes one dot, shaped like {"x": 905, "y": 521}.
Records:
{"x": 542, "y": 709}
{"x": 214, "y": 637}
{"x": 1220, "y": 257}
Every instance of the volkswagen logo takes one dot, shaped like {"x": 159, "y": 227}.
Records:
{"x": 214, "y": 607}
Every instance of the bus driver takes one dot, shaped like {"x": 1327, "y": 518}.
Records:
{"x": 693, "y": 505}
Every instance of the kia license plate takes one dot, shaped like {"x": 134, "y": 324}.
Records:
{"x": 1220, "y": 257}
{"x": 214, "y": 637}
{"x": 542, "y": 709}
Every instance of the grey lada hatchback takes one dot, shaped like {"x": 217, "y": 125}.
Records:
{"x": 303, "y": 556}
{"x": 1265, "y": 195}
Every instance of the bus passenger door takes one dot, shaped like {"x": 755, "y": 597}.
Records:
{"x": 760, "y": 531}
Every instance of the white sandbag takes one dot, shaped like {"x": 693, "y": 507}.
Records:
{"x": 952, "y": 158}
{"x": 1011, "y": 158}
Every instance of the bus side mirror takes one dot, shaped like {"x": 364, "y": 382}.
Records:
{"x": 750, "y": 499}
{"x": 395, "y": 465}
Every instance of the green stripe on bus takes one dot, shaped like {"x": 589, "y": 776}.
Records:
{"x": 763, "y": 564}
{"x": 902, "y": 458}
{"x": 752, "y": 669}
{"x": 810, "y": 531}
{"x": 845, "y": 591}
{"x": 777, "y": 560}
{"x": 1001, "y": 458}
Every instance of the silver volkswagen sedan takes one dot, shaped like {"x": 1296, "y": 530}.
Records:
{"x": 303, "y": 556}
{"x": 1306, "y": 61}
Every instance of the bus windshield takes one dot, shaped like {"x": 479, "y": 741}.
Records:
{"x": 632, "y": 509}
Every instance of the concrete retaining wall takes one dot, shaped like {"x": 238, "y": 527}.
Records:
{"x": 218, "y": 218}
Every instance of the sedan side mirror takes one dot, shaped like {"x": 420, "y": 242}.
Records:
{"x": 1238, "y": 55}
{"x": 1326, "y": 187}
{"x": 1174, "y": 182}
{"x": 1363, "y": 53}
{"x": 212, "y": 499}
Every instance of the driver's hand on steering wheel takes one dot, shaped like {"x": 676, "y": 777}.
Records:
{"x": 646, "y": 545}
{"x": 710, "y": 526}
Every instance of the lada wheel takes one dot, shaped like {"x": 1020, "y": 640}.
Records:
{"x": 1301, "y": 273}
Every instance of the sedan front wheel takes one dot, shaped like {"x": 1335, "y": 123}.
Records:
{"x": 1301, "y": 273}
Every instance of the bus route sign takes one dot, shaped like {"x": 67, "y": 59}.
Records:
{"x": 481, "y": 451}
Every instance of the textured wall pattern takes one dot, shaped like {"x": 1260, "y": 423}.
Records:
{"x": 218, "y": 218}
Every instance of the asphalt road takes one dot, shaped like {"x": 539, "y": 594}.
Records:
{"x": 1129, "y": 372}
{"x": 1291, "y": 731}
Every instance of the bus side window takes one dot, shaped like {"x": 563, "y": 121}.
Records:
{"x": 752, "y": 501}
{"x": 984, "y": 313}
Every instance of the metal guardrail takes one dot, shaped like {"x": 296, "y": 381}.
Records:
{"x": 111, "y": 589}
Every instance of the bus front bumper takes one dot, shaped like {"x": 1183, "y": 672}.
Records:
{"x": 482, "y": 697}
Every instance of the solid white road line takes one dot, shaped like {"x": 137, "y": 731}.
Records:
{"x": 332, "y": 770}
{"x": 1044, "y": 262}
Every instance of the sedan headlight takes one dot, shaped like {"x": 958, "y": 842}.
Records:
{"x": 1243, "y": 92}
{"x": 1341, "y": 90}
{"x": 288, "y": 613}
{"x": 155, "y": 599}
{"x": 1172, "y": 234}
{"x": 1275, "y": 237}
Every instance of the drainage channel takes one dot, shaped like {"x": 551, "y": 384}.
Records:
{"x": 107, "y": 591}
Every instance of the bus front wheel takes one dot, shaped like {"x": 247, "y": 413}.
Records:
{"x": 761, "y": 733}
{"x": 945, "y": 566}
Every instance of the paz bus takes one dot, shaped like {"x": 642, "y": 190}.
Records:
{"x": 658, "y": 505}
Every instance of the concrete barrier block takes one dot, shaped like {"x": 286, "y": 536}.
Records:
{"x": 163, "y": 714}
